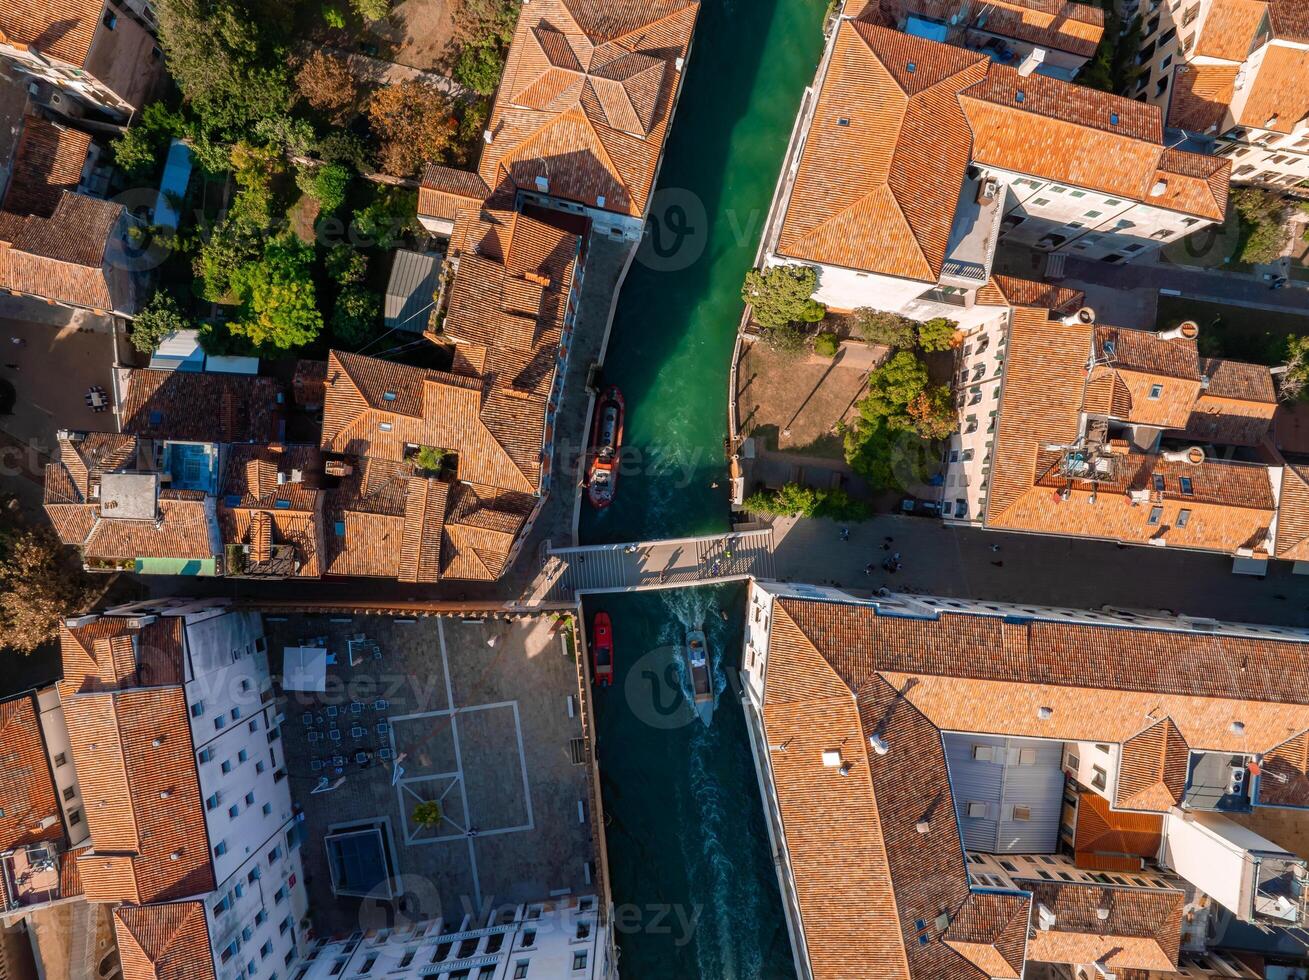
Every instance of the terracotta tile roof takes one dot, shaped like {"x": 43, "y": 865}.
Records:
{"x": 444, "y": 191}
{"x": 111, "y": 654}
{"x": 1229, "y": 29}
{"x": 1143, "y": 929}
{"x": 586, "y": 98}
{"x": 258, "y": 510}
{"x": 1073, "y": 27}
{"x": 991, "y": 932}
{"x": 48, "y": 161}
{"x": 886, "y": 153}
{"x": 27, "y": 791}
{"x": 1102, "y": 832}
{"x": 1290, "y": 19}
{"x": 1279, "y": 95}
{"x": 1201, "y": 96}
{"x": 201, "y": 407}
{"x": 1293, "y": 514}
{"x": 184, "y": 528}
{"x": 1238, "y": 380}
{"x": 1152, "y": 770}
{"x": 1236, "y": 408}
{"x": 1231, "y": 504}
{"x": 136, "y": 831}
{"x": 307, "y": 384}
{"x": 65, "y": 257}
{"x": 1010, "y": 291}
{"x": 1284, "y": 780}
{"x": 164, "y": 942}
{"x": 874, "y": 852}
{"x": 62, "y": 29}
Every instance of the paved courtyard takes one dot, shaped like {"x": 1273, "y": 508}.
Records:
{"x": 470, "y": 715}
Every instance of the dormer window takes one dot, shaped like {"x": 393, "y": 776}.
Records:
{"x": 384, "y": 426}
{"x": 1156, "y": 392}
{"x": 843, "y": 121}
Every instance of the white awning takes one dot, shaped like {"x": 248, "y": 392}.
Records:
{"x": 304, "y": 669}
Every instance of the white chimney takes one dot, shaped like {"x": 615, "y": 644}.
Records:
{"x": 77, "y": 622}
{"x": 486, "y": 136}
{"x": 1102, "y": 914}
{"x": 1238, "y": 728}
{"x": 1034, "y": 58}
{"x": 845, "y": 769}
{"x": 1044, "y": 917}
{"x": 1044, "y": 712}
{"x": 543, "y": 184}
{"x": 922, "y": 826}
{"x": 1186, "y": 330}
{"x": 1160, "y": 188}
{"x": 1083, "y": 317}
{"x": 1194, "y": 455}
{"x": 878, "y": 744}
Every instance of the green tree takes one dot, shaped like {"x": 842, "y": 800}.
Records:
{"x": 159, "y": 319}
{"x": 427, "y": 813}
{"x": 786, "y": 338}
{"x": 371, "y": 10}
{"x": 346, "y": 264}
{"x": 891, "y": 388}
{"x": 937, "y": 334}
{"x": 1263, "y": 212}
{"x": 883, "y": 327}
{"x": 326, "y": 184}
{"x": 783, "y": 294}
{"x": 826, "y": 344}
{"x": 229, "y": 58}
{"x": 356, "y": 314}
{"x": 388, "y": 218}
{"x": 796, "y": 500}
{"x": 1295, "y": 380}
{"x": 40, "y": 583}
{"x": 479, "y": 67}
{"x": 140, "y": 150}
{"x": 278, "y": 305}
{"x": 413, "y": 122}
{"x": 933, "y": 413}
{"x": 888, "y": 459}
{"x": 430, "y": 459}
{"x": 227, "y": 248}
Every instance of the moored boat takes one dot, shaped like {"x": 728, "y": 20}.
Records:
{"x": 602, "y": 650}
{"x": 606, "y": 441}
{"x": 702, "y": 685}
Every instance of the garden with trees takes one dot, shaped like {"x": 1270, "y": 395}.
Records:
{"x": 300, "y": 156}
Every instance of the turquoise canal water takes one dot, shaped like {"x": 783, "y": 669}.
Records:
{"x": 676, "y": 321}
{"x": 692, "y": 878}
{"x": 694, "y": 889}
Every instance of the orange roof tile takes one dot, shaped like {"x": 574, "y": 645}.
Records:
{"x": 148, "y": 846}
{"x": 444, "y": 191}
{"x": 885, "y": 155}
{"x": 27, "y": 789}
{"x": 206, "y": 407}
{"x": 1201, "y": 96}
{"x": 63, "y": 256}
{"x": 112, "y": 654}
{"x": 1278, "y": 98}
{"x": 586, "y": 98}
{"x": 1142, "y": 931}
{"x": 48, "y": 161}
{"x": 1152, "y": 770}
{"x": 164, "y": 942}
{"x": 1293, "y": 514}
{"x": 62, "y": 29}
{"x": 1230, "y": 29}
{"x": 1011, "y": 291}
{"x": 1284, "y": 779}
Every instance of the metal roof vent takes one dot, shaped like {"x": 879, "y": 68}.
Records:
{"x": 156, "y": 742}
{"x": 1102, "y": 914}
{"x": 923, "y": 826}
{"x": 878, "y": 744}
{"x": 846, "y": 767}
{"x": 1160, "y": 188}
{"x": 175, "y": 856}
{"x": 1044, "y": 712}
{"x": 165, "y": 794}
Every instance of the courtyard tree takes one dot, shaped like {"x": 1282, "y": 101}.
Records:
{"x": 883, "y": 327}
{"x": 797, "y": 500}
{"x": 891, "y": 389}
{"x": 413, "y": 122}
{"x": 1295, "y": 378}
{"x": 40, "y": 583}
{"x": 387, "y": 219}
{"x": 371, "y": 10}
{"x": 278, "y": 305}
{"x": 938, "y": 334}
{"x": 933, "y": 413}
{"x": 328, "y": 86}
{"x": 356, "y": 314}
{"x": 158, "y": 320}
{"x": 783, "y": 294}
{"x": 1264, "y": 213}
{"x": 427, "y": 813}
{"x": 325, "y": 183}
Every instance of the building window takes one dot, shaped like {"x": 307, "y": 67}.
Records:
{"x": 1099, "y": 778}
{"x": 1156, "y": 513}
{"x": 520, "y": 969}
{"x": 1022, "y": 813}
{"x": 268, "y": 809}
{"x": 1185, "y": 483}
{"x": 1183, "y": 517}
{"x": 1077, "y": 193}
{"x": 1041, "y": 201}
{"x": 206, "y": 755}
{"x": 1092, "y": 214}
{"x": 1158, "y": 481}
{"x": 69, "y": 793}
{"x": 1156, "y": 392}
{"x": 234, "y": 810}
{"x": 227, "y": 766}
{"x": 220, "y": 848}
{"x": 579, "y": 960}
{"x": 242, "y": 756}
{"x": 219, "y": 722}
{"x": 110, "y": 19}
{"x": 75, "y": 817}
{"x": 61, "y": 760}
{"x": 197, "y": 709}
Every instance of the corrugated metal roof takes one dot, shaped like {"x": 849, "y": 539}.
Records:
{"x": 410, "y": 293}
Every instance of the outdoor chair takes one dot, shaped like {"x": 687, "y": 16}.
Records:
{"x": 335, "y": 734}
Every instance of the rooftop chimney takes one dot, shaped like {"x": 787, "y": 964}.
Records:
{"x": 878, "y": 744}
{"x": 1102, "y": 914}
{"x": 922, "y": 826}
{"x": 1044, "y": 712}
{"x": 832, "y": 758}
{"x": 845, "y": 768}
{"x": 1044, "y": 917}
{"x": 1160, "y": 188}
{"x": 1186, "y": 330}
{"x": 1083, "y": 317}
{"x": 1034, "y": 58}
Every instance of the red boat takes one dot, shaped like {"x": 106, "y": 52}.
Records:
{"x": 606, "y": 440}
{"x": 602, "y": 649}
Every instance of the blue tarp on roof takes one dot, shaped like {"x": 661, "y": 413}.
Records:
{"x": 933, "y": 30}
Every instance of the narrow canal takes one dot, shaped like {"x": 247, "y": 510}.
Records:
{"x": 670, "y": 350}
{"x": 692, "y": 875}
